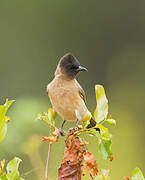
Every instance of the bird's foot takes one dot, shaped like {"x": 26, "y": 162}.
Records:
{"x": 73, "y": 129}
{"x": 61, "y": 132}
{"x": 76, "y": 125}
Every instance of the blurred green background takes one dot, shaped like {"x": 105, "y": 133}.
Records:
{"x": 108, "y": 37}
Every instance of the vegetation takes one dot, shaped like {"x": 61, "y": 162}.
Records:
{"x": 103, "y": 139}
{"x": 88, "y": 162}
{"x": 9, "y": 171}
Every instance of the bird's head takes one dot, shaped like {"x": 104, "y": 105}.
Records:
{"x": 69, "y": 66}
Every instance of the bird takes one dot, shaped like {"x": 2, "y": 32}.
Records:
{"x": 66, "y": 94}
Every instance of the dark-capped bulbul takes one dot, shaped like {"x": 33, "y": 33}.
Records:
{"x": 66, "y": 95}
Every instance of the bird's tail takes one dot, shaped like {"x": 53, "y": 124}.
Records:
{"x": 92, "y": 123}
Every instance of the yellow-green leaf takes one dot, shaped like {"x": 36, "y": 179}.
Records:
{"x": 7, "y": 119}
{"x": 3, "y": 177}
{"x": 8, "y": 103}
{"x": 12, "y": 169}
{"x": 3, "y": 118}
{"x": 2, "y": 163}
{"x": 104, "y": 131}
{"x": 137, "y": 174}
{"x": 105, "y": 149}
{"x": 103, "y": 175}
{"x": 111, "y": 121}
{"x": 99, "y": 177}
{"x": 101, "y": 110}
{"x": 3, "y": 132}
{"x": 48, "y": 117}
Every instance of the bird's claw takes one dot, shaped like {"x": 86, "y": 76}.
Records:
{"x": 61, "y": 132}
{"x": 75, "y": 129}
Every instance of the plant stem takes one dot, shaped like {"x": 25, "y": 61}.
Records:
{"x": 47, "y": 163}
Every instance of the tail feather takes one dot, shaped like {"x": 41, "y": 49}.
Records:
{"x": 92, "y": 123}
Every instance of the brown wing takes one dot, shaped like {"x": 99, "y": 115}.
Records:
{"x": 82, "y": 94}
{"x": 81, "y": 91}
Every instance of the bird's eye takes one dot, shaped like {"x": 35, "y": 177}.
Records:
{"x": 74, "y": 66}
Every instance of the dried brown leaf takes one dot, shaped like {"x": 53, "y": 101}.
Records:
{"x": 54, "y": 137}
{"x": 76, "y": 158}
{"x": 127, "y": 177}
{"x": 90, "y": 164}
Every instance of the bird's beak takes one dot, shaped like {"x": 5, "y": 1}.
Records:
{"x": 81, "y": 68}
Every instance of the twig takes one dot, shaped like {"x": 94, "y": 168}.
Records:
{"x": 47, "y": 163}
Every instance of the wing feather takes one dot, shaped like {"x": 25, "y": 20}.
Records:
{"x": 81, "y": 93}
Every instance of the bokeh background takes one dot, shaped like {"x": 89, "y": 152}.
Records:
{"x": 108, "y": 37}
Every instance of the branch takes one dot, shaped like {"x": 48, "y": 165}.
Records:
{"x": 76, "y": 159}
{"x": 72, "y": 160}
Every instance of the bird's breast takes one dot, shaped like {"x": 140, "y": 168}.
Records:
{"x": 66, "y": 101}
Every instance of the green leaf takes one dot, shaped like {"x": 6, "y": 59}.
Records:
{"x": 111, "y": 121}
{"x": 8, "y": 103}
{"x": 106, "y": 173}
{"x": 105, "y": 149}
{"x": 101, "y": 110}
{"x": 103, "y": 175}
{"x": 2, "y": 164}
{"x": 86, "y": 123}
{"x": 12, "y": 169}
{"x": 48, "y": 117}
{"x": 104, "y": 132}
{"x": 94, "y": 132}
{"x": 137, "y": 174}
{"x": 3, "y": 118}
{"x": 99, "y": 177}
{"x": 3, "y": 132}
{"x": 54, "y": 114}
{"x": 3, "y": 177}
